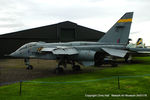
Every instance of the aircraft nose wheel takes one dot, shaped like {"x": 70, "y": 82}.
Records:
{"x": 30, "y": 67}
{"x": 59, "y": 70}
{"x": 76, "y": 68}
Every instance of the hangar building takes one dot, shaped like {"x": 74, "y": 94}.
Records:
{"x": 60, "y": 32}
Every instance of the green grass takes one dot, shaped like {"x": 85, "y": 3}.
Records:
{"x": 82, "y": 85}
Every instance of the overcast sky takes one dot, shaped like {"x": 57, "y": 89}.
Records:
{"x": 16, "y": 15}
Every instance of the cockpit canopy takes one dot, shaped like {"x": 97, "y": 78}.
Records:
{"x": 28, "y": 45}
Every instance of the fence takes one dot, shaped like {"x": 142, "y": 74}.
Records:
{"x": 70, "y": 82}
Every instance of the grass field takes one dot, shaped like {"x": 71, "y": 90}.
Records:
{"x": 79, "y": 86}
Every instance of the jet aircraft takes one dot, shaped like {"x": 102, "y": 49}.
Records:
{"x": 138, "y": 44}
{"x": 136, "y": 50}
{"x": 112, "y": 44}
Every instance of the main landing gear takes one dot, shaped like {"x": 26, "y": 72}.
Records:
{"x": 60, "y": 70}
{"x": 75, "y": 68}
{"x": 102, "y": 58}
{"x": 27, "y": 63}
{"x": 128, "y": 58}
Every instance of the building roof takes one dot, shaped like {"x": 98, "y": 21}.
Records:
{"x": 53, "y": 31}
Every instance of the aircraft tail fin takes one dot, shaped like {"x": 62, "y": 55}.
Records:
{"x": 139, "y": 43}
{"x": 119, "y": 32}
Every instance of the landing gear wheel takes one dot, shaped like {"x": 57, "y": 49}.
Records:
{"x": 99, "y": 59}
{"x": 128, "y": 59}
{"x": 59, "y": 70}
{"x": 76, "y": 68}
{"x": 30, "y": 67}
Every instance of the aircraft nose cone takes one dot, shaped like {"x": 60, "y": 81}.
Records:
{"x": 13, "y": 54}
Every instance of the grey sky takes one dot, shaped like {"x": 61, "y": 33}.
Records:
{"x": 18, "y": 15}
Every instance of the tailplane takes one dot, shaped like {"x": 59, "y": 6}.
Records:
{"x": 119, "y": 32}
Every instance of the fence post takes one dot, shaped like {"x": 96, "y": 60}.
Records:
{"x": 20, "y": 88}
{"x": 118, "y": 83}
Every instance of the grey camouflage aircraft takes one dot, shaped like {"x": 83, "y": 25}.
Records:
{"x": 112, "y": 44}
{"x": 136, "y": 50}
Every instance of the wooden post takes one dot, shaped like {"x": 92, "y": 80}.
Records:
{"x": 20, "y": 88}
{"x": 118, "y": 83}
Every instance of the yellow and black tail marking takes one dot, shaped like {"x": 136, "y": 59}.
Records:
{"x": 140, "y": 41}
{"x": 124, "y": 20}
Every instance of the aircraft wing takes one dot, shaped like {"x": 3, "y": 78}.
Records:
{"x": 140, "y": 50}
{"x": 60, "y": 50}
{"x": 148, "y": 52}
{"x": 115, "y": 52}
